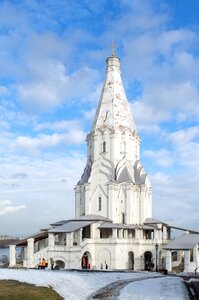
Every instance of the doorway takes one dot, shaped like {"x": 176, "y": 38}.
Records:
{"x": 148, "y": 261}
{"x": 131, "y": 260}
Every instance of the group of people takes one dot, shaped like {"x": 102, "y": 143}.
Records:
{"x": 43, "y": 264}
{"x": 149, "y": 266}
{"x": 106, "y": 266}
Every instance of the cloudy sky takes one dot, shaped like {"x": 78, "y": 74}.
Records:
{"x": 52, "y": 67}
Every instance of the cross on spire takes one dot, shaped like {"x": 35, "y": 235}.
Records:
{"x": 113, "y": 49}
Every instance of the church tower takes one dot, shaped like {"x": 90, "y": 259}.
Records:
{"x": 114, "y": 183}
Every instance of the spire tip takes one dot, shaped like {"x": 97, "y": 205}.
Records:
{"x": 113, "y": 49}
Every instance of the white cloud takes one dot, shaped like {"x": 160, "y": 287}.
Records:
{"x": 184, "y": 136}
{"x": 162, "y": 157}
{"x": 47, "y": 141}
{"x": 58, "y": 125}
{"x": 48, "y": 186}
{"x": 3, "y": 90}
{"x": 55, "y": 87}
{"x": 7, "y": 207}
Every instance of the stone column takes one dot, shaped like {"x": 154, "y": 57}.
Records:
{"x": 111, "y": 199}
{"x": 77, "y": 201}
{"x": 164, "y": 233}
{"x": 69, "y": 239}
{"x": 30, "y": 253}
{"x": 196, "y": 256}
{"x": 120, "y": 233}
{"x": 187, "y": 261}
{"x": 80, "y": 237}
{"x": 125, "y": 233}
{"x": 12, "y": 254}
{"x": 137, "y": 233}
{"x": 156, "y": 237}
{"x": 93, "y": 230}
{"x": 114, "y": 233}
{"x": 129, "y": 203}
{"x": 95, "y": 147}
{"x": 87, "y": 198}
{"x": 168, "y": 261}
{"x": 51, "y": 240}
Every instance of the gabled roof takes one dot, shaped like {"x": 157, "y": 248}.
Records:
{"x": 184, "y": 242}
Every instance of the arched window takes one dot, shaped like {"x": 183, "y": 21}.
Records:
{"x": 99, "y": 203}
{"x": 104, "y": 146}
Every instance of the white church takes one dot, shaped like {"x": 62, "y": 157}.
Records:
{"x": 113, "y": 226}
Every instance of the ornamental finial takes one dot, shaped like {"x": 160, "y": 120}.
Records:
{"x": 113, "y": 49}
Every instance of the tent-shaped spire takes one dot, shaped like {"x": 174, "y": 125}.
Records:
{"x": 113, "y": 109}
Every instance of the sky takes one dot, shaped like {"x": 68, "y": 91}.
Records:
{"x": 52, "y": 68}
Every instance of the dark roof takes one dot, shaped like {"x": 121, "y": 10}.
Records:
{"x": 7, "y": 242}
{"x": 37, "y": 236}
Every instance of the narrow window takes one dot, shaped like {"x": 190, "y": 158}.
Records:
{"x": 123, "y": 218}
{"x": 104, "y": 146}
{"x": 99, "y": 203}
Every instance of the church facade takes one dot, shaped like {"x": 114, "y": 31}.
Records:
{"x": 113, "y": 226}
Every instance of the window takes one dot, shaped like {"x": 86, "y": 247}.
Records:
{"x": 99, "y": 203}
{"x": 174, "y": 256}
{"x": 191, "y": 255}
{"x": 123, "y": 218}
{"x": 104, "y": 147}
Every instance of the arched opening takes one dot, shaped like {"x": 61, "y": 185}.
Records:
{"x": 131, "y": 260}
{"x": 86, "y": 260}
{"x": 148, "y": 261}
{"x": 59, "y": 264}
{"x": 177, "y": 261}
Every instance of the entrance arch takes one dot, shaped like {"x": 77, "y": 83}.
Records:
{"x": 131, "y": 260}
{"x": 148, "y": 260}
{"x": 59, "y": 264}
{"x": 86, "y": 260}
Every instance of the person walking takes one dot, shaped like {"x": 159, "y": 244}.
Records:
{"x": 52, "y": 263}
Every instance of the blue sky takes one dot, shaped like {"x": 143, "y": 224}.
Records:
{"x": 52, "y": 67}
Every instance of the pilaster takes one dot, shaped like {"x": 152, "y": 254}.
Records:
{"x": 30, "y": 252}
{"x": 186, "y": 260}
{"x": 168, "y": 261}
{"x": 12, "y": 254}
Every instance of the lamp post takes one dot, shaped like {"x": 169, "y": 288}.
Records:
{"x": 156, "y": 257}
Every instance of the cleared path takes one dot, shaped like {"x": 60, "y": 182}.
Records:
{"x": 112, "y": 290}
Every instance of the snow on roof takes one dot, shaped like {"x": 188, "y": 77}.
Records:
{"x": 153, "y": 221}
{"x": 112, "y": 225}
{"x": 71, "y": 226}
{"x": 92, "y": 218}
{"x": 184, "y": 242}
{"x": 82, "y": 218}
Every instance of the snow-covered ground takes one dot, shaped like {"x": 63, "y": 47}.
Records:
{"x": 80, "y": 285}
{"x": 165, "y": 288}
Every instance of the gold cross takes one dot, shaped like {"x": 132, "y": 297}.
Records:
{"x": 113, "y": 49}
